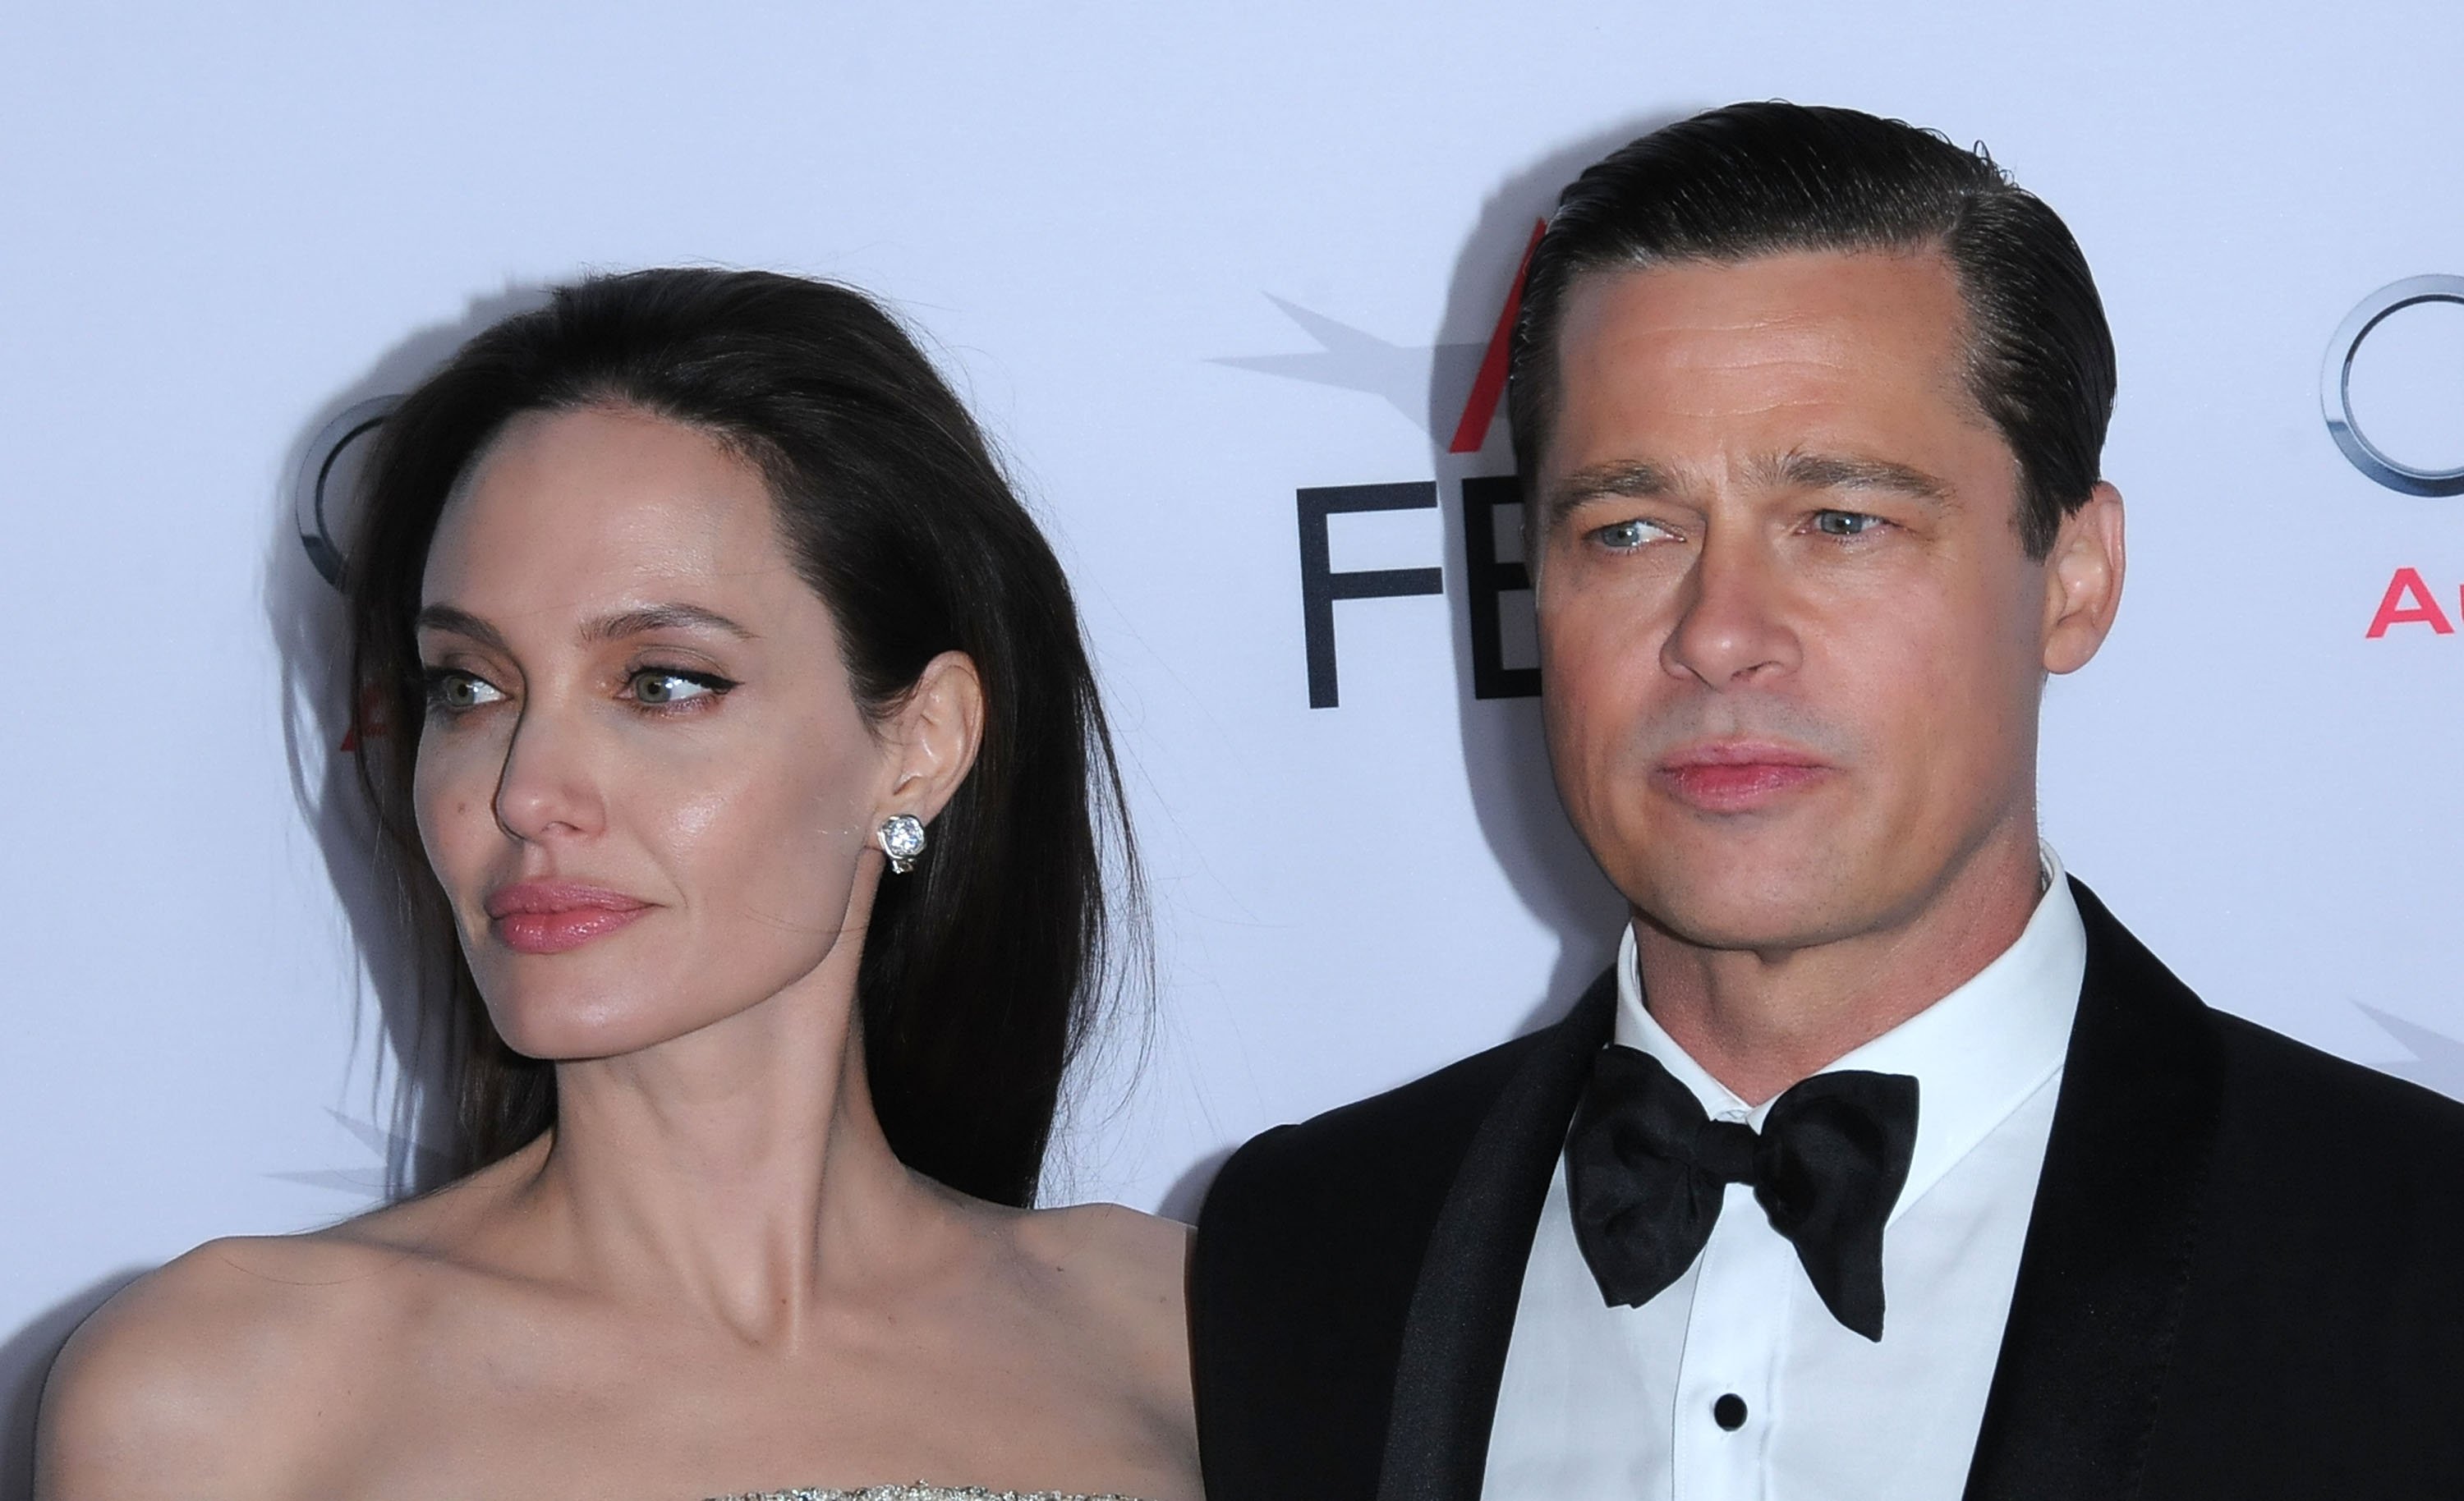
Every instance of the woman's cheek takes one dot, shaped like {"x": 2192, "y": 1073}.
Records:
{"x": 450, "y": 791}
{"x": 703, "y": 820}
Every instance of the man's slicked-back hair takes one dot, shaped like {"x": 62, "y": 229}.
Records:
{"x": 1771, "y": 178}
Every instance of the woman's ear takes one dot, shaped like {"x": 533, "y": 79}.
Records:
{"x": 936, "y": 730}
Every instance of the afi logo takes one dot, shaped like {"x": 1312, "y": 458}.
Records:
{"x": 1355, "y": 360}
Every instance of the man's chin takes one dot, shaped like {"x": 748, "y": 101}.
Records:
{"x": 1760, "y": 918}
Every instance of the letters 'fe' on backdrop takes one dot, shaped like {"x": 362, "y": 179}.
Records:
{"x": 1225, "y": 281}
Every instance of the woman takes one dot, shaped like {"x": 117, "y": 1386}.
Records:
{"x": 735, "y": 716}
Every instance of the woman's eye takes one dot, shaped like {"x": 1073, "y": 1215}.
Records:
{"x": 661, "y": 687}
{"x": 457, "y": 692}
{"x": 1844, "y": 523}
{"x": 1625, "y": 536}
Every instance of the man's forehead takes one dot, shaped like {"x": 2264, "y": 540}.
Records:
{"x": 1815, "y": 338}
{"x": 1781, "y": 267}
{"x": 1911, "y": 298}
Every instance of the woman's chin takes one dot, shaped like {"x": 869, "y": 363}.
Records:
{"x": 576, "y": 1029}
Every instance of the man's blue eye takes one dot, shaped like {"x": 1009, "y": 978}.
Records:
{"x": 1844, "y": 523}
{"x": 1625, "y": 535}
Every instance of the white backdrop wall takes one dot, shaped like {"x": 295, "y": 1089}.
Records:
{"x": 1187, "y": 261}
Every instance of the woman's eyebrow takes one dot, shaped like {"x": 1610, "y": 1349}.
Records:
{"x": 458, "y": 622}
{"x": 605, "y": 628}
{"x": 660, "y": 617}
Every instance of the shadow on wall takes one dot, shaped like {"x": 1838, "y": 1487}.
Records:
{"x": 25, "y": 1359}
{"x": 1506, "y": 753}
{"x": 304, "y": 608}
{"x": 1181, "y": 1200}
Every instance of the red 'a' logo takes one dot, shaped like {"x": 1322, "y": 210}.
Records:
{"x": 2408, "y": 601}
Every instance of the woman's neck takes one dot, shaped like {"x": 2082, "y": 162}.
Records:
{"x": 738, "y": 1171}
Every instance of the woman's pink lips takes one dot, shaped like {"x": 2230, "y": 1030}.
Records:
{"x": 541, "y": 916}
{"x": 1738, "y": 778}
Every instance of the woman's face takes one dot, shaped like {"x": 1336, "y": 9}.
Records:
{"x": 643, "y": 779}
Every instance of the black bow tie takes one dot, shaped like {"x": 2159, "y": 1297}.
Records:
{"x": 1646, "y": 1170}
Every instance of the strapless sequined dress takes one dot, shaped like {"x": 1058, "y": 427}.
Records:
{"x": 917, "y": 1492}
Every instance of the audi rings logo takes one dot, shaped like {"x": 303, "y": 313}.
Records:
{"x": 328, "y": 474}
{"x": 2336, "y": 387}
{"x": 2410, "y": 600}
{"x": 325, "y": 476}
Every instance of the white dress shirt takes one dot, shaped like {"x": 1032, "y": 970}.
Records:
{"x": 1735, "y": 1383}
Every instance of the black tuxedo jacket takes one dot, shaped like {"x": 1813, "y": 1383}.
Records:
{"x": 2243, "y": 1275}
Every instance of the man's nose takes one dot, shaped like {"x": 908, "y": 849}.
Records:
{"x": 1732, "y": 624}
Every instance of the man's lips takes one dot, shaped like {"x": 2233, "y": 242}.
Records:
{"x": 548, "y": 917}
{"x": 1738, "y": 777}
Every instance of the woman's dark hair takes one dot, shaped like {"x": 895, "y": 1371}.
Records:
{"x": 983, "y": 970}
{"x": 1761, "y": 179}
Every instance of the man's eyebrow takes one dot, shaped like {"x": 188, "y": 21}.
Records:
{"x": 458, "y": 622}
{"x": 1631, "y": 478}
{"x": 1842, "y": 471}
{"x": 660, "y": 617}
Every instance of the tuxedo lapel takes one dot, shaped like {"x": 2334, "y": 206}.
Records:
{"x": 1462, "y": 1314}
{"x": 2101, "y": 1279}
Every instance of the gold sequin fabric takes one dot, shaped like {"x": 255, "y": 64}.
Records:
{"x": 917, "y": 1492}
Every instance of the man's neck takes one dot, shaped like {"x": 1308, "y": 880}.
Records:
{"x": 1759, "y": 1020}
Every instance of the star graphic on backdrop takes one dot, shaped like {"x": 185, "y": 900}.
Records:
{"x": 2437, "y": 1060}
{"x": 1411, "y": 378}
{"x": 368, "y": 1180}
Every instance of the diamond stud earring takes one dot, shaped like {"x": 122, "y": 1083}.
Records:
{"x": 902, "y": 840}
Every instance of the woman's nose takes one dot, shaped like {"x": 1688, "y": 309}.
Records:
{"x": 546, "y": 788}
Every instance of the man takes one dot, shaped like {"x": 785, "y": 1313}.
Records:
{"x": 1885, "y": 1162}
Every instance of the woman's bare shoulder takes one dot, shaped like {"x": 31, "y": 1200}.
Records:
{"x": 1112, "y": 1250}
{"x": 179, "y": 1385}
{"x": 1124, "y": 1272}
{"x": 211, "y": 1374}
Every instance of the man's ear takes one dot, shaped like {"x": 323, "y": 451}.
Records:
{"x": 2083, "y": 582}
{"x": 938, "y": 731}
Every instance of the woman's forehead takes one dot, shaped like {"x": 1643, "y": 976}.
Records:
{"x": 568, "y": 511}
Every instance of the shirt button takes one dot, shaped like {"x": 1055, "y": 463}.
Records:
{"x": 1729, "y": 1411}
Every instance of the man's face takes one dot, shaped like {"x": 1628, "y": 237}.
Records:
{"x": 1791, "y": 643}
